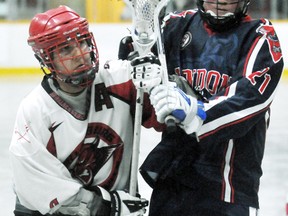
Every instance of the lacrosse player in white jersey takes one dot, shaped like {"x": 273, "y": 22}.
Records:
{"x": 72, "y": 142}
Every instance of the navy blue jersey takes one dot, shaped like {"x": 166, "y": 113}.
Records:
{"x": 238, "y": 72}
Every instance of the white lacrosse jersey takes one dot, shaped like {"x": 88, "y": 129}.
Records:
{"x": 56, "y": 150}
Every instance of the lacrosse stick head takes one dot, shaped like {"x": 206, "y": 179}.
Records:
{"x": 145, "y": 22}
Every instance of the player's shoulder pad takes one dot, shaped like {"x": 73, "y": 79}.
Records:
{"x": 178, "y": 15}
{"x": 266, "y": 29}
{"x": 118, "y": 64}
{"x": 115, "y": 70}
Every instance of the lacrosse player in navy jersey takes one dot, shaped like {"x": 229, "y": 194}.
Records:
{"x": 213, "y": 167}
{"x": 72, "y": 143}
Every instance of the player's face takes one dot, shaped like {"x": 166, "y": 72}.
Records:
{"x": 71, "y": 57}
{"x": 221, "y": 7}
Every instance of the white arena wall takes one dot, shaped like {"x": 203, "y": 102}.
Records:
{"x": 16, "y": 54}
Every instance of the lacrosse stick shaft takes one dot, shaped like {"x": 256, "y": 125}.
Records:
{"x": 169, "y": 120}
{"x": 136, "y": 143}
{"x": 144, "y": 13}
{"x": 160, "y": 44}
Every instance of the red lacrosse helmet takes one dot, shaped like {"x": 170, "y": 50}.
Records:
{"x": 54, "y": 35}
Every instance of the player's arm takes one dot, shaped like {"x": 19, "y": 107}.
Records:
{"x": 41, "y": 181}
{"x": 102, "y": 202}
{"x": 233, "y": 111}
{"x": 44, "y": 184}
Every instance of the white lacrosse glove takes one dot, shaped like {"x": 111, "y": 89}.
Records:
{"x": 123, "y": 204}
{"x": 146, "y": 72}
{"x": 170, "y": 100}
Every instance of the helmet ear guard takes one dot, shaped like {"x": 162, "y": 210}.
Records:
{"x": 219, "y": 22}
{"x": 42, "y": 63}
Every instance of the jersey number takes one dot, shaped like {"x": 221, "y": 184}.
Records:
{"x": 265, "y": 82}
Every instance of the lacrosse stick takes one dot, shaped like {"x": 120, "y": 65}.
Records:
{"x": 145, "y": 33}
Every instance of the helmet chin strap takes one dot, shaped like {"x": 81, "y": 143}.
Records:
{"x": 42, "y": 64}
{"x": 56, "y": 83}
{"x": 83, "y": 79}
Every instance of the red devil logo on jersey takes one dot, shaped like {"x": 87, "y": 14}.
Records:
{"x": 88, "y": 158}
{"x": 273, "y": 42}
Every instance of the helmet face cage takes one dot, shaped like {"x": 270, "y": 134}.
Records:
{"x": 82, "y": 50}
{"x": 224, "y": 14}
{"x": 62, "y": 42}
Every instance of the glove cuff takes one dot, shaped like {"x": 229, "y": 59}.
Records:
{"x": 115, "y": 204}
{"x": 103, "y": 201}
{"x": 195, "y": 118}
{"x": 105, "y": 194}
{"x": 122, "y": 203}
{"x": 192, "y": 112}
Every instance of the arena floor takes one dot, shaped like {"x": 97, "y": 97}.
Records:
{"x": 274, "y": 184}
